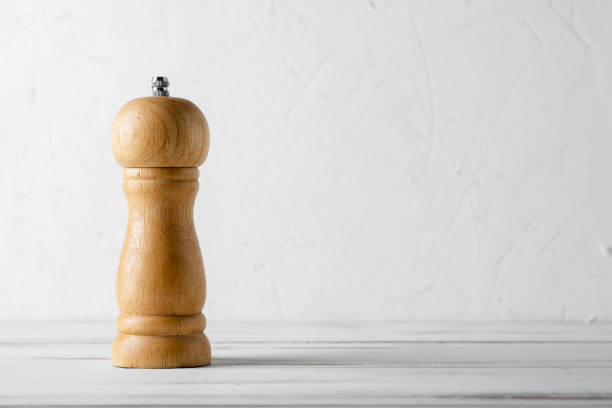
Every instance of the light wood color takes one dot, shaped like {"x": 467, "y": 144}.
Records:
{"x": 161, "y": 287}
{"x": 160, "y": 131}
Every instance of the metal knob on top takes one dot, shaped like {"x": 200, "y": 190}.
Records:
{"x": 159, "y": 86}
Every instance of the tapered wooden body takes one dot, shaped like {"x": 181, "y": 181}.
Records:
{"x": 161, "y": 286}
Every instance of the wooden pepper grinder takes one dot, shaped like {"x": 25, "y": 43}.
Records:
{"x": 160, "y": 141}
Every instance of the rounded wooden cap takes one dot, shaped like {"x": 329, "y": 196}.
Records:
{"x": 160, "y": 131}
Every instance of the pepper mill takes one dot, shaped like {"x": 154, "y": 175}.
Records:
{"x": 160, "y": 141}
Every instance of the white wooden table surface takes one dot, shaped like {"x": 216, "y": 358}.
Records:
{"x": 56, "y": 364}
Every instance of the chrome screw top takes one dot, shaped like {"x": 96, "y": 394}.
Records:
{"x": 159, "y": 86}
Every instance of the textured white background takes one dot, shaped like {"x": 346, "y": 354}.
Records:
{"x": 370, "y": 160}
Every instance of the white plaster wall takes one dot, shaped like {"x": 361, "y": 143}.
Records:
{"x": 370, "y": 160}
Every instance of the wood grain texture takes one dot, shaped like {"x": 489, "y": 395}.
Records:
{"x": 161, "y": 286}
{"x": 160, "y": 131}
{"x": 343, "y": 365}
{"x": 161, "y": 271}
